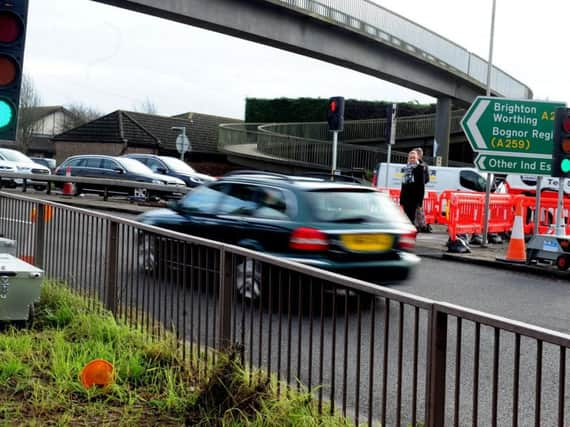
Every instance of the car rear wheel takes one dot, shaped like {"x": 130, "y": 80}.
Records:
{"x": 562, "y": 262}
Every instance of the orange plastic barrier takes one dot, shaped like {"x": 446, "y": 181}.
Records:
{"x": 431, "y": 203}
{"x": 547, "y": 212}
{"x": 465, "y": 213}
{"x": 501, "y": 213}
{"x": 431, "y": 207}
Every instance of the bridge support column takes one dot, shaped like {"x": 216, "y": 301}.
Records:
{"x": 442, "y": 128}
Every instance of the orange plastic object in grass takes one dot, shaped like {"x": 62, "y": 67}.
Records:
{"x": 97, "y": 372}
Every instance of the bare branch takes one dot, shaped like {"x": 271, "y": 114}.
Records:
{"x": 79, "y": 115}
{"x": 29, "y": 99}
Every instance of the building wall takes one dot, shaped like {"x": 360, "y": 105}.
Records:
{"x": 65, "y": 149}
{"x": 51, "y": 125}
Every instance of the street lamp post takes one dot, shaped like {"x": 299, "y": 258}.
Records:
{"x": 490, "y": 176}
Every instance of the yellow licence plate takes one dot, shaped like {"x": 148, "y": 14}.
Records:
{"x": 367, "y": 242}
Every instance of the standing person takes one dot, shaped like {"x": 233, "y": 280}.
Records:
{"x": 420, "y": 152}
{"x": 413, "y": 186}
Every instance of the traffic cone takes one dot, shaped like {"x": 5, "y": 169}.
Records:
{"x": 516, "y": 252}
{"x": 67, "y": 186}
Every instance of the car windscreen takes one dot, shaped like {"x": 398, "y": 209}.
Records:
{"x": 177, "y": 165}
{"x": 472, "y": 181}
{"x": 135, "y": 166}
{"x": 15, "y": 156}
{"x": 50, "y": 163}
{"x": 353, "y": 205}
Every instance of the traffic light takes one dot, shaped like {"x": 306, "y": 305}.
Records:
{"x": 13, "y": 15}
{"x": 335, "y": 113}
{"x": 561, "y": 147}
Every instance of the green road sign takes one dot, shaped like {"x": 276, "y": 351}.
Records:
{"x": 510, "y": 125}
{"x": 518, "y": 163}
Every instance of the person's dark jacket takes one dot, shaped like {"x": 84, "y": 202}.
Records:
{"x": 413, "y": 188}
{"x": 426, "y": 171}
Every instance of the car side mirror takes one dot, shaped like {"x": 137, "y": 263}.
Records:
{"x": 161, "y": 171}
{"x": 119, "y": 171}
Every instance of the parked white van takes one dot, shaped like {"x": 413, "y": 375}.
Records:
{"x": 441, "y": 178}
{"x": 526, "y": 184}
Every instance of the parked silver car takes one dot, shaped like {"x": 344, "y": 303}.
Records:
{"x": 15, "y": 161}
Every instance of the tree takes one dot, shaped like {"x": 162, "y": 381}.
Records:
{"x": 147, "y": 107}
{"x": 29, "y": 99}
{"x": 79, "y": 115}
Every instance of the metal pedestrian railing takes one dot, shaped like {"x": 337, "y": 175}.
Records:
{"x": 372, "y": 353}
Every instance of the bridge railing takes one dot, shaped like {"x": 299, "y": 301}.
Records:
{"x": 240, "y": 139}
{"x": 380, "y": 356}
{"x": 374, "y": 21}
{"x": 410, "y": 127}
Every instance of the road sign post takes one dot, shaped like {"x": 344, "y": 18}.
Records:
{"x": 182, "y": 142}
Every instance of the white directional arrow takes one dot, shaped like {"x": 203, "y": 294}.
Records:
{"x": 471, "y": 124}
{"x": 480, "y": 162}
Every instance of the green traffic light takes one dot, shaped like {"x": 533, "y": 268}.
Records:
{"x": 6, "y": 114}
{"x": 565, "y": 165}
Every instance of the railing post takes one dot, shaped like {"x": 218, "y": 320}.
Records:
{"x": 436, "y": 366}
{"x": 40, "y": 236}
{"x": 225, "y": 303}
{"x": 112, "y": 258}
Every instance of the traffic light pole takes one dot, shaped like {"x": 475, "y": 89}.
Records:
{"x": 391, "y": 139}
{"x": 334, "y": 149}
{"x": 560, "y": 228}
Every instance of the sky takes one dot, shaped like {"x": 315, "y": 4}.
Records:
{"x": 107, "y": 58}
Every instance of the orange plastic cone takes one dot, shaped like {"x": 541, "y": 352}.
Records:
{"x": 67, "y": 186}
{"x": 516, "y": 252}
{"x": 97, "y": 372}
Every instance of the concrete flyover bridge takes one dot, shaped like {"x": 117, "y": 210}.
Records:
{"x": 297, "y": 147}
{"x": 355, "y": 34}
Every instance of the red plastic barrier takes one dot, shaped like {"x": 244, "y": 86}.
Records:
{"x": 443, "y": 206}
{"x": 431, "y": 207}
{"x": 546, "y": 213}
{"x": 501, "y": 213}
{"x": 431, "y": 203}
{"x": 465, "y": 213}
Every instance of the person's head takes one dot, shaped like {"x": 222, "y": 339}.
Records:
{"x": 420, "y": 152}
{"x": 413, "y": 157}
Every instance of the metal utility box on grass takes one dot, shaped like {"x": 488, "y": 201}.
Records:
{"x": 20, "y": 288}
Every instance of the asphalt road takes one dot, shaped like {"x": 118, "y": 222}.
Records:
{"x": 296, "y": 335}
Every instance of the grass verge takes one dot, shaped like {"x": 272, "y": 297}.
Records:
{"x": 40, "y": 368}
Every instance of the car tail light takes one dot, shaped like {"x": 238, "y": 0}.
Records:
{"x": 374, "y": 178}
{"x": 407, "y": 241}
{"x": 308, "y": 239}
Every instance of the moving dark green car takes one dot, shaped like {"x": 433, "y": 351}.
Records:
{"x": 346, "y": 228}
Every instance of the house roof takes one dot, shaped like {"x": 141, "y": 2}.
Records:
{"x": 149, "y": 130}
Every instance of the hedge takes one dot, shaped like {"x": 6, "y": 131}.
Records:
{"x": 290, "y": 110}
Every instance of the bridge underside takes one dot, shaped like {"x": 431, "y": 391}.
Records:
{"x": 268, "y": 24}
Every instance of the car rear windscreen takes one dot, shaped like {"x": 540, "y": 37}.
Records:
{"x": 353, "y": 205}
